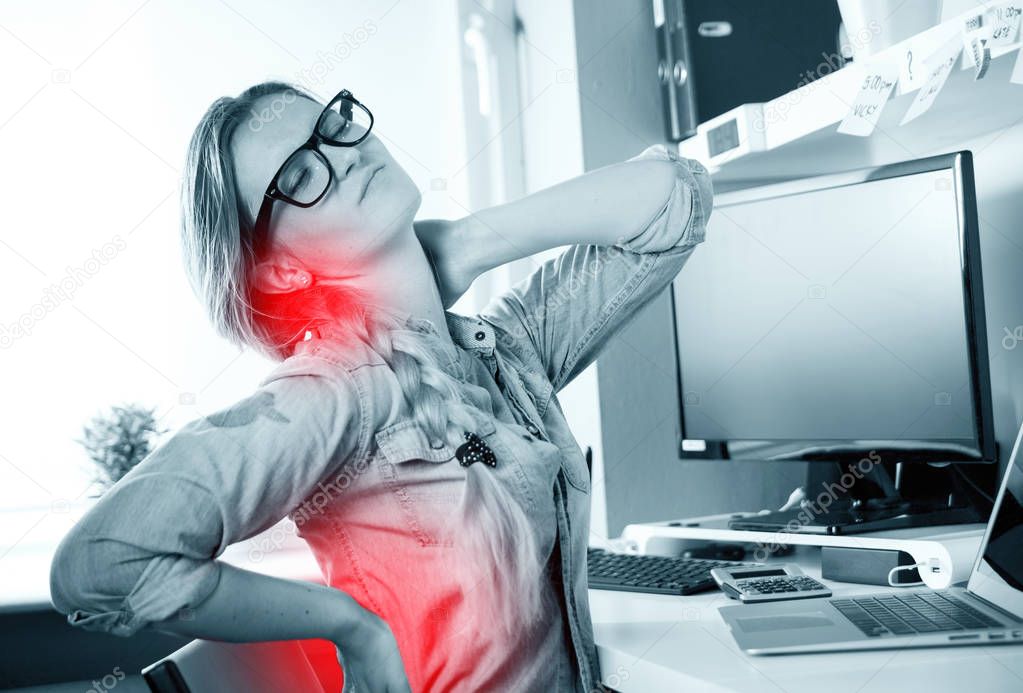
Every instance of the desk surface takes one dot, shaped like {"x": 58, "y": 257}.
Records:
{"x": 654, "y": 643}
{"x": 651, "y": 643}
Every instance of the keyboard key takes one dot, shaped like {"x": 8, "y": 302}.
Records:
{"x": 903, "y": 614}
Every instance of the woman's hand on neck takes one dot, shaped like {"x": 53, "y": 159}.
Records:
{"x": 452, "y": 255}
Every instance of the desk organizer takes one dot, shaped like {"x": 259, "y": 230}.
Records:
{"x": 947, "y": 554}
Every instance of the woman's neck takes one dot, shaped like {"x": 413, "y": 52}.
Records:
{"x": 404, "y": 282}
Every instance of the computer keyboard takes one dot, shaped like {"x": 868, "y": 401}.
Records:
{"x": 906, "y": 614}
{"x": 654, "y": 574}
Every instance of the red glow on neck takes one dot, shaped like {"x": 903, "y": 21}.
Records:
{"x": 324, "y": 309}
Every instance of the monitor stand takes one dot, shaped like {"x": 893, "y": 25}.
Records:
{"x": 889, "y": 496}
{"x": 857, "y": 518}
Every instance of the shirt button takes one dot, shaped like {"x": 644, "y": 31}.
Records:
{"x": 533, "y": 429}
{"x": 480, "y": 336}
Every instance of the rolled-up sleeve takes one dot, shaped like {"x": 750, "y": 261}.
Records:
{"x": 568, "y": 308}
{"x": 146, "y": 550}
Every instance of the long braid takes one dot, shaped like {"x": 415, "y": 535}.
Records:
{"x": 499, "y": 568}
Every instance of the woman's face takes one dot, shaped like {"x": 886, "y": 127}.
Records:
{"x": 366, "y": 213}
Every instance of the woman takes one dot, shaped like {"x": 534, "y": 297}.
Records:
{"x": 422, "y": 455}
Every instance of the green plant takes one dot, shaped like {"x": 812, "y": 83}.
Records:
{"x": 119, "y": 440}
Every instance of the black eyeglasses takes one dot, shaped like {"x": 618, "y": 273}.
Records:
{"x": 305, "y": 176}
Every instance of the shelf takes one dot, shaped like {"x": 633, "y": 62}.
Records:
{"x": 952, "y": 547}
{"x": 799, "y": 137}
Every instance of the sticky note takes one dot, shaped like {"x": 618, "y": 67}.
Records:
{"x": 870, "y": 100}
{"x": 981, "y": 56}
{"x": 971, "y": 27}
{"x": 976, "y": 51}
{"x": 912, "y": 72}
{"x": 937, "y": 68}
{"x": 1004, "y": 22}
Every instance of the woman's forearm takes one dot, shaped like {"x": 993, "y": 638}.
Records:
{"x": 252, "y": 607}
{"x": 603, "y": 207}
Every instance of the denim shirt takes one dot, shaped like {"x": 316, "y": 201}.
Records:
{"x": 327, "y": 440}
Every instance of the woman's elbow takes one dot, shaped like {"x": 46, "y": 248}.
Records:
{"x": 703, "y": 192}
{"x": 690, "y": 202}
{"x": 119, "y": 586}
{"x": 88, "y": 583}
{"x": 68, "y": 572}
{"x": 686, "y": 207}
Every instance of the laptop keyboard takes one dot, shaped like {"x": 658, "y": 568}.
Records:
{"x": 907, "y": 614}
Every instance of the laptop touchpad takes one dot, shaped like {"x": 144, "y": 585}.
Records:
{"x": 759, "y": 624}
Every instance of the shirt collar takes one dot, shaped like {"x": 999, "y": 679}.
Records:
{"x": 470, "y": 334}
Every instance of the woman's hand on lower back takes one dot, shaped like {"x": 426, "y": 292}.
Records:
{"x": 450, "y": 253}
{"x": 369, "y": 656}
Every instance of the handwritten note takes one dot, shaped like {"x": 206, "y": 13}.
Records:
{"x": 980, "y": 51}
{"x": 1004, "y": 22}
{"x": 938, "y": 68}
{"x": 870, "y": 100}
{"x": 912, "y": 72}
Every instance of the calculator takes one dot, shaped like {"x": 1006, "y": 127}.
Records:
{"x": 754, "y": 584}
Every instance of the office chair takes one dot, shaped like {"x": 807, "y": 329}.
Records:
{"x": 208, "y": 666}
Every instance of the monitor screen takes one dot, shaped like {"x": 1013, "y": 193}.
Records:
{"x": 833, "y": 316}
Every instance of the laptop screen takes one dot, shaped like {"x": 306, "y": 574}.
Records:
{"x": 998, "y": 574}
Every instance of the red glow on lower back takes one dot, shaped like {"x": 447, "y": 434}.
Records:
{"x": 322, "y": 656}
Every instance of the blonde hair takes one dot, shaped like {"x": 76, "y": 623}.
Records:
{"x": 500, "y": 561}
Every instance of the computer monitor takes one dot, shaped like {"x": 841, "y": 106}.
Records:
{"x": 837, "y": 316}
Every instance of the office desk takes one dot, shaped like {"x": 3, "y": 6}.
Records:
{"x": 651, "y": 643}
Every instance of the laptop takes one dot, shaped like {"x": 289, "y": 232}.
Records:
{"x": 988, "y": 611}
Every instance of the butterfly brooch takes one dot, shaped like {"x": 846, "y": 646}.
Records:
{"x": 474, "y": 449}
